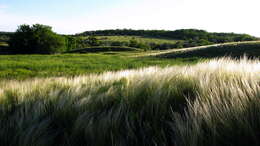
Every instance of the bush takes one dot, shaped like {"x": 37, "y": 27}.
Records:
{"x": 179, "y": 44}
{"x": 38, "y": 39}
{"x": 133, "y": 43}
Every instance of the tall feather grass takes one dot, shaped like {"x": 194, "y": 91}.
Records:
{"x": 211, "y": 103}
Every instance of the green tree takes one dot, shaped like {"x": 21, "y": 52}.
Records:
{"x": 133, "y": 43}
{"x": 179, "y": 44}
{"x": 38, "y": 39}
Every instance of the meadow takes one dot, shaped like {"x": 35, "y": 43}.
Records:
{"x": 28, "y": 66}
{"x": 139, "y": 42}
{"x": 102, "y": 59}
{"x": 137, "y": 38}
{"x": 214, "y": 102}
{"x": 118, "y": 96}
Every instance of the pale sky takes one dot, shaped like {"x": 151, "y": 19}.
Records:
{"x": 69, "y": 17}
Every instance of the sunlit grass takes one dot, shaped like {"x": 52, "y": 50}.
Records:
{"x": 4, "y": 44}
{"x": 212, "y": 103}
{"x": 138, "y": 38}
{"x": 28, "y": 66}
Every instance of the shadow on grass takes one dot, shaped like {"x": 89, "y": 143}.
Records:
{"x": 251, "y": 50}
{"x": 5, "y": 50}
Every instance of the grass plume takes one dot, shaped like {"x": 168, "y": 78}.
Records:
{"x": 211, "y": 103}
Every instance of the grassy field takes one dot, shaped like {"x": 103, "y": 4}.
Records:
{"x": 28, "y": 66}
{"x": 211, "y": 103}
{"x": 109, "y": 98}
{"x": 137, "y": 38}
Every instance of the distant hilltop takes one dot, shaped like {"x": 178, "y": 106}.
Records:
{"x": 181, "y": 34}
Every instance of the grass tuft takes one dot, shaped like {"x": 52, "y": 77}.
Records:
{"x": 211, "y": 103}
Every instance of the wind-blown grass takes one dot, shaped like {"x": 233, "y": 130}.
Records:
{"x": 211, "y": 103}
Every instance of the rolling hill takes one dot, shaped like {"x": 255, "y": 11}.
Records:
{"x": 236, "y": 50}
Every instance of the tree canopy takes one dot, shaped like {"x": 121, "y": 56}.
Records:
{"x": 36, "y": 39}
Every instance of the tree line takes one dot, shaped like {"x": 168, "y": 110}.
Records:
{"x": 182, "y": 34}
{"x": 40, "y": 39}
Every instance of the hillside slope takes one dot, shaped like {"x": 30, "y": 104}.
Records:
{"x": 233, "y": 49}
{"x": 181, "y": 34}
{"x": 161, "y": 39}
